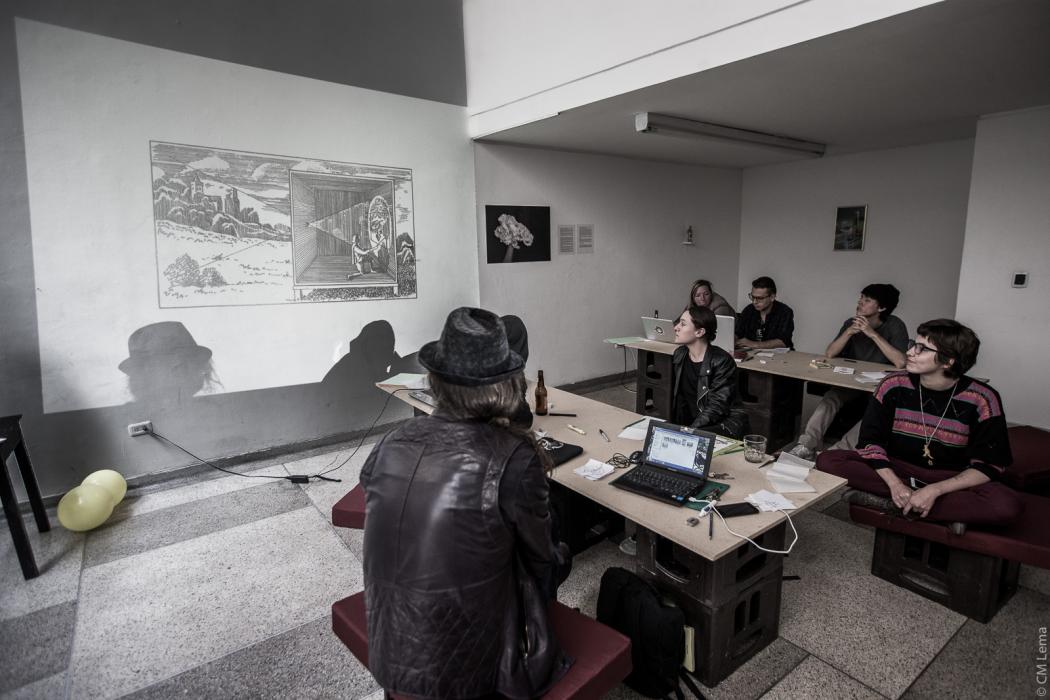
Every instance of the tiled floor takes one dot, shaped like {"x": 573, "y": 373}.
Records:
{"x": 220, "y": 586}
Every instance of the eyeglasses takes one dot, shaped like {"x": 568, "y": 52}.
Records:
{"x": 918, "y": 348}
{"x": 752, "y": 297}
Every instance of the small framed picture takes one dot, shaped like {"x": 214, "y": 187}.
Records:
{"x": 849, "y": 228}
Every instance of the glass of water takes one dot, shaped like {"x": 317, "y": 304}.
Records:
{"x": 755, "y": 448}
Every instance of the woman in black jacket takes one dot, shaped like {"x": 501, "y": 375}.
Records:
{"x": 705, "y": 387}
{"x": 458, "y": 557}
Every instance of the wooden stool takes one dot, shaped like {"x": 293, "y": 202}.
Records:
{"x": 11, "y": 442}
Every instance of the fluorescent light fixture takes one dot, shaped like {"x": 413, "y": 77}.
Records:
{"x": 651, "y": 123}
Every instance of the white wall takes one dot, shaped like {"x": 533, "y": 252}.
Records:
{"x": 91, "y": 107}
{"x": 916, "y": 200}
{"x": 530, "y": 60}
{"x": 1008, "y": 231}
{"x": 640, "y": 210}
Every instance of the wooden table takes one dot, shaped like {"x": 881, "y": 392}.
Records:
{"x": 772, "y": 389}
{"x": 710, "y": 577}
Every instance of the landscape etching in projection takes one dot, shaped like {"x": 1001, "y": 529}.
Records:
{"x": 236, "y": 228}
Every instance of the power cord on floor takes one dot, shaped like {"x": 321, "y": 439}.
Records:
{"x": 294, "y": 478}
{"x": 321, "y": 475}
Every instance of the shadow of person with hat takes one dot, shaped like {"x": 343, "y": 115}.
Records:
{"x": 166, "y": 365}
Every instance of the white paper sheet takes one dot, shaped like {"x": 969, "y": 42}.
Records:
{"x": 407, "y": 380}
{"x": 637, "y": 430}
{"x": 594, "y": 470}
{"x": 767, "y": 501}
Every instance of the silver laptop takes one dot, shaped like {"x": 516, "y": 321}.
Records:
{"x": 725, "y": 335}
{"x": 661, "y": 329}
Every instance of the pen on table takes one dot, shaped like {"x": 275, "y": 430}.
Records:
{"x": 570, "y": 415}
{"x": 604, "y": 436}
{"x": 711, "y": 522}
{"x": 574, "y": 429}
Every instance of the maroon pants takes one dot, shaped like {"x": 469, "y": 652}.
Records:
{"x": 988, "y": 504}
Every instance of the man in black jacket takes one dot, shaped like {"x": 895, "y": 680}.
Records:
{"x": 458, "y": 557}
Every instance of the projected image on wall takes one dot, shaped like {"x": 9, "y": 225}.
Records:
{"x": 238, "y": 228}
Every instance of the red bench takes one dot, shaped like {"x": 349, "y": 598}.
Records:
{"x": 602, "y": 655}
{"x": 974, "y": 573}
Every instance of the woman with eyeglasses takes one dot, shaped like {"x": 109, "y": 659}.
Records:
{"x": 704, "y": 390}
{"x": 933, "y": 442}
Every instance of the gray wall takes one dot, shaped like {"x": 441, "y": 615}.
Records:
{"x": 333, "y": 40}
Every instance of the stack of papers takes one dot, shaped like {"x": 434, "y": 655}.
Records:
{"x": 767, "y": 501}
{"x": 871, "y": 377}
{"x": 625, "y": 341}
{"x": 839, "y": 369}
{"x": 594, "y": 470}
{"x": 789, "y": 473}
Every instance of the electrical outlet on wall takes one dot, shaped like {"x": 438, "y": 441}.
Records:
{"x": 143, "y": 428}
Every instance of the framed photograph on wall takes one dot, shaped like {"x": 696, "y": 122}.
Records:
{"x": 849, "y": 227}
{"x": 517, "y": 233}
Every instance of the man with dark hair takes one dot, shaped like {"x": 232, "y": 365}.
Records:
{"x": 933, "y": 442}
{"x": 874, "y": 334}
{"x": 765, "y": 323}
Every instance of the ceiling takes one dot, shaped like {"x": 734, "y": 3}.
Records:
{"x": 917, "y": 77}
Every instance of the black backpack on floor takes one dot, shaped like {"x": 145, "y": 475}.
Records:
{"x": 633, "y": 607}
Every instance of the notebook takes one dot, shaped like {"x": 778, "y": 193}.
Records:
{"x": 661, "y": 329}
{"x": 675, "y": 463}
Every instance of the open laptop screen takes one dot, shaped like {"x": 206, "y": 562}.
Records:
{"x": 681, "y": 449}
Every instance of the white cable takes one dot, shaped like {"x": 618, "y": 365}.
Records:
{"x": 711, "y": 506}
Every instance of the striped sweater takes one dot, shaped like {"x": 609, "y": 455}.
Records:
{"x": 972, "y": 433}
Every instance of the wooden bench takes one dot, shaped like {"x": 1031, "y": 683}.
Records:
{"x": 602, "y": 656}
{"x": 975, "y": 573}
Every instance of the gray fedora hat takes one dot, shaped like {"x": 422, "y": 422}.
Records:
{"x": 472, "y": 349}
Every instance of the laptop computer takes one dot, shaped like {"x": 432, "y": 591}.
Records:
{"x": 675, "y": 463}
{"x": 661, "y": 329}
{"x": 725, "y": 336}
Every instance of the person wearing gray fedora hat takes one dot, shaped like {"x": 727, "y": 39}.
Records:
{"x": 459, "y": 562}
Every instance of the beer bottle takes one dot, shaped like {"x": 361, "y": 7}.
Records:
{"x": 541, "y": 396}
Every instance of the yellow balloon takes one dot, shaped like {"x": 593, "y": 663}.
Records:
{"x": 110, "y": 480}
{"x": 85, "y": 507}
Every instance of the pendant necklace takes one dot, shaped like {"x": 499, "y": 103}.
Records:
{"x": 927, "y": 439}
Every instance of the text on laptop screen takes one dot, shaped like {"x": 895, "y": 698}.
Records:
{"x": 681, "y": 451}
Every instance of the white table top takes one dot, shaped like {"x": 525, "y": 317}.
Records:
{"x": 664, "y": 519}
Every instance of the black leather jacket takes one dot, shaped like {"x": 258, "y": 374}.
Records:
{"x": 720, "y": 407}
{"x": 457, "y": 534}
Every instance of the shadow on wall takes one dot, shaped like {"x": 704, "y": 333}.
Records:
{"x": 165, "y": 364}
{"x": 169, "y": 376}
{"x": 369, "y": 358}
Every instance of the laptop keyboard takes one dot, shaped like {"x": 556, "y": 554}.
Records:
{"x": 658, "y": 484}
